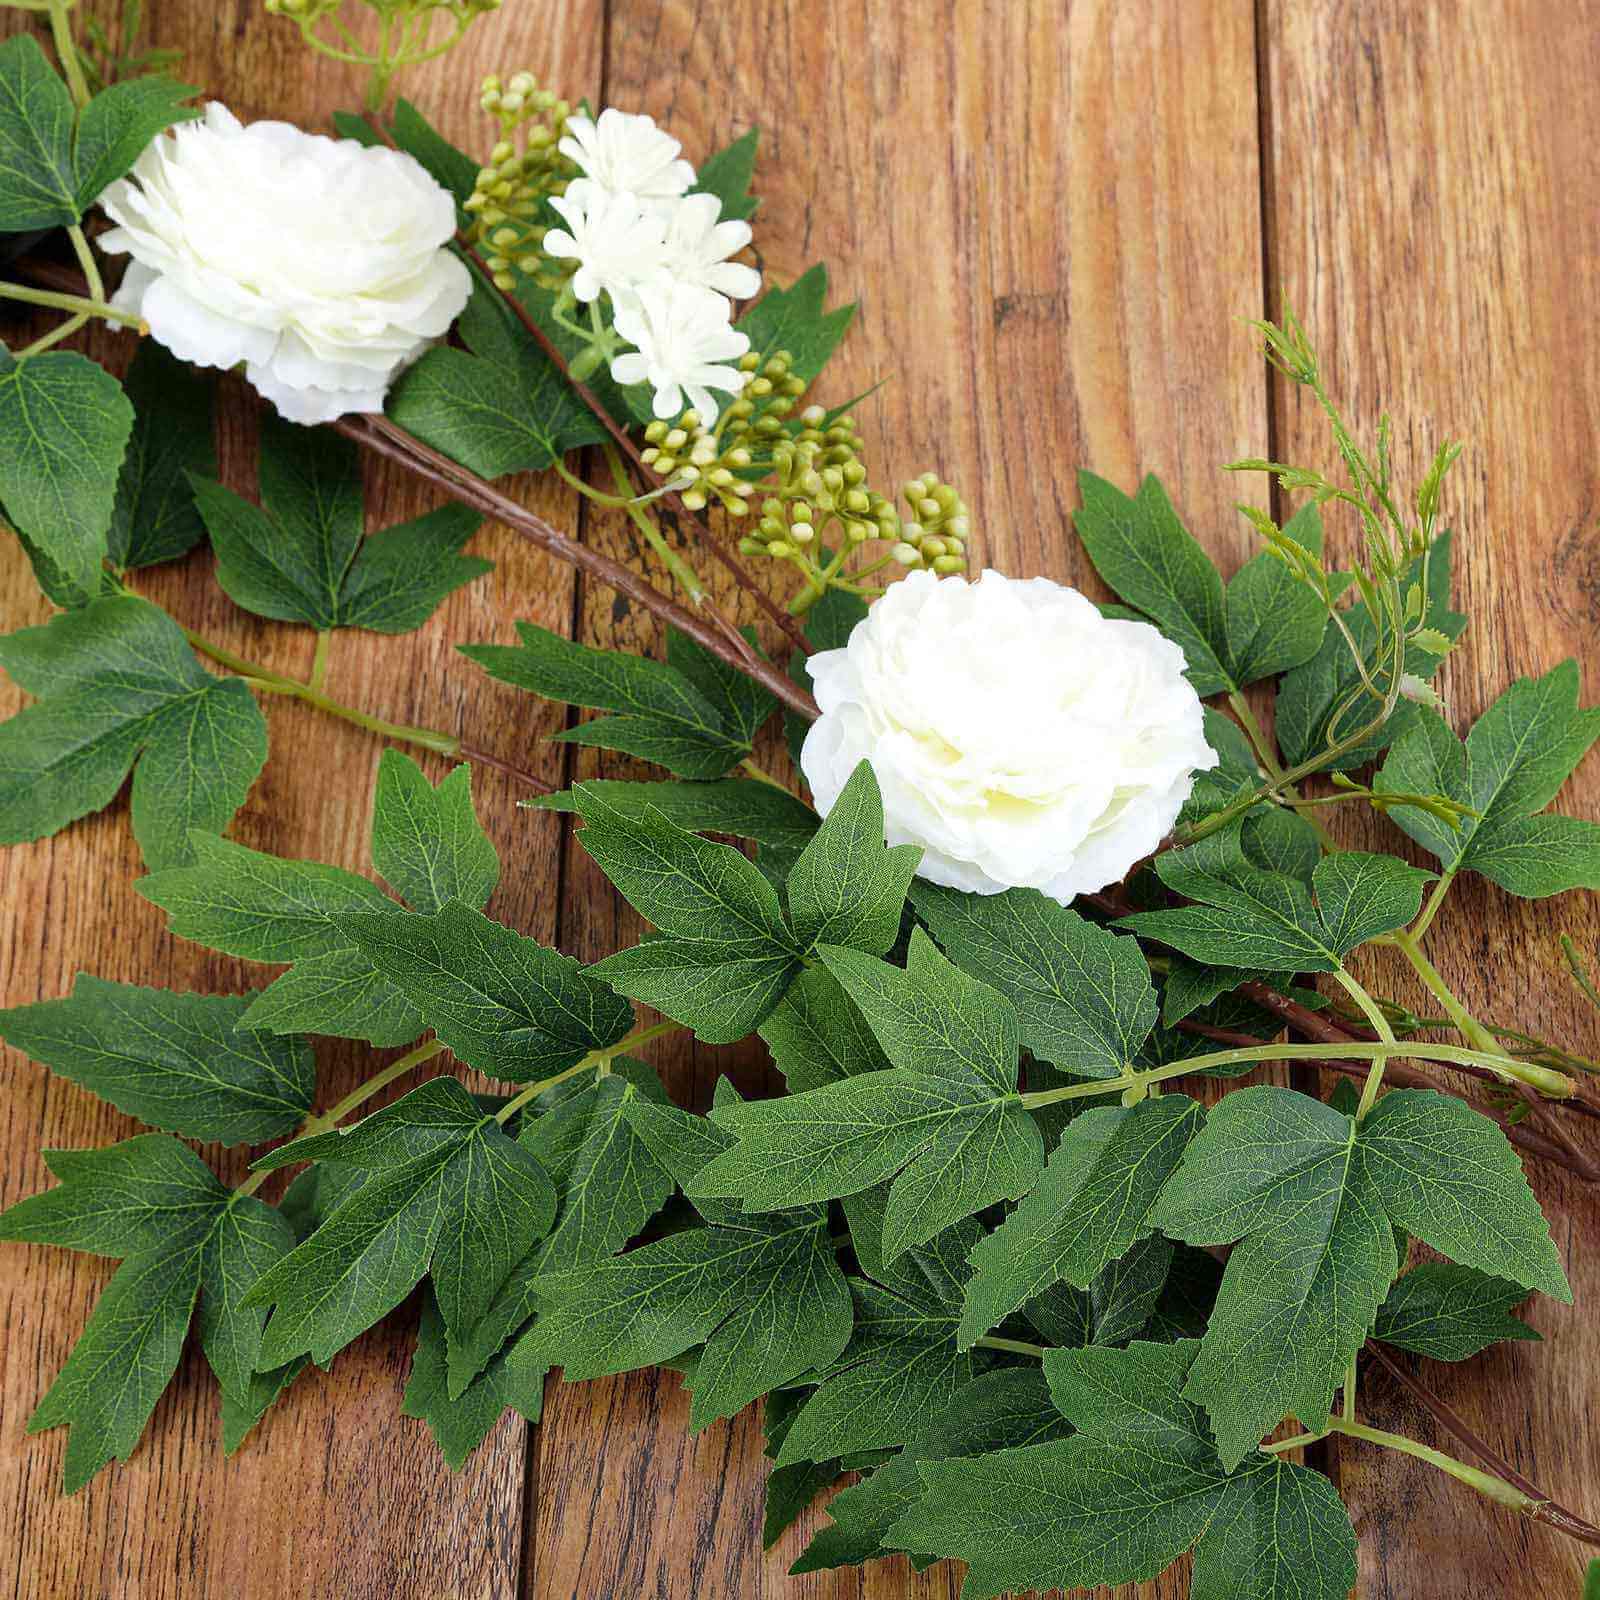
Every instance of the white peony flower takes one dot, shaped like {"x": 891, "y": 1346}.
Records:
{"x": 697, "y": 248}
{"x": 627, "y": 154}
{"x": 318, "y": 263}
{"x": 1018, "y": 736}
{"x": 684, "y": 337}
{"x": 617, "y": 242}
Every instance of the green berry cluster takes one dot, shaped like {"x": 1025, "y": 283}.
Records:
{"x": 934, "y": 537}
{"x": 524, "y": 167}
{"x": 693, "y": 457}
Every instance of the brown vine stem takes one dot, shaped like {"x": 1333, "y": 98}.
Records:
{"x": 1544, "y": 1510}
{"x": 381, "y": 437}
{"x": 725, "y": 557}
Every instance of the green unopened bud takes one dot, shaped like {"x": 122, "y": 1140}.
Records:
{"x": 945, "y": 565}
{"x": 695, "y": 499}
{"x": 586, "y": 363}
{"x": 907, "y": 555}
{"x": 780, "y": 548}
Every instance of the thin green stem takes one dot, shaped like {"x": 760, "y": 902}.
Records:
{"x": 86, "y": 260}
{"x": 1440, "y": 889}
{"x": 1461, "y": 1019}
{"x": 756, "y": 770}
{"x": 78, "y": 303}
{"x": 595, "y": 1058}
{"x": 1484, "y": 1482}
{"x": 1270, "y": 765}
{"x": 1298, "y": 1442}
{"x": 67, "y": 51}
{"x": 358, "y": 1096}
{"x": 1555, "y": 1084}
{"x": 64, "y": 330}
{"x": 1373, "y": 1012}
{"x": 319, "y": 661}
{"x": 1016, "y": 1347}
{"x": 683, "y": 574}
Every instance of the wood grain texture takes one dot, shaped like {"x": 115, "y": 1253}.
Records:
{"x": 1435, "y": 220}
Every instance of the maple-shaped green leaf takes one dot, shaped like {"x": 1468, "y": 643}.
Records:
{"x": 175, "y": 1061}
{"x": 427, "y": 841}
{"x": 501, "y": 405}
{"x": 66, "y": 424}
{"x": 1274, "y": 622}
{"x": 118, "y": 687}
{"x": 743, "y": 807}
{"x": 505, "y": 1004}
{"x": 1310, "y": 695}
{"x": 447, "y": 1192}
{"x": 1450, "y": 1312}
{"x": 793, "y": 319}
{"x": 1120, "y": 1303}
{"x": 945, "y": 1122}
{"x": 725, "y": 955}
{"x": 1514, "y": 761}
{"x": 608, "y": 1182}
{"x": 848, "y": 887}
{"x": 250, "y": 904}
{"x": 742, "y": 705}
{"x": 1136, "y": 1486}
{"x": 155, "y": 518}
{"x": 1003, "y": 1409}
{"x": 56, "y": 161}
{"x": 660, "y": 715}
{"x": 727, "y": 175}
{"x": 762, "y": 1292}
{"x": 901, "y": 1363}
{"x": 1091, "y": 1205}
{"x": 299, "y": 556}
{"x": 1083, "y": 996}
{"x": 183, "y": 1238}
{"x": 1285, "y": 1175}
{"x": 818, "y": 1035}
{"x": 458, "y": 1422}
{"x": 1265, "y": 921}
{"x": 1449, "y": 1176}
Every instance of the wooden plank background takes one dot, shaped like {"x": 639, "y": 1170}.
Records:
{"x": 1053, "y": 215}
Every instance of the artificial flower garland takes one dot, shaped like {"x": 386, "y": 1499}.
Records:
{"x": 984, "y": 1241}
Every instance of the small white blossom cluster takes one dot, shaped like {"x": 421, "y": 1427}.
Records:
{"x": 662, "y": 256}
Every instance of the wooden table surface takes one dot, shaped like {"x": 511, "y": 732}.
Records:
{"x": 1054, "y": 215}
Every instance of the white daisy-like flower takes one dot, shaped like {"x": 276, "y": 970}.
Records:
{"x": 627, "y": 154}
{"x": 617, "y": 242}
{"x": 684, "y": 337}
{"x": 318, "y": 263}
{"x": 697, "y": 248}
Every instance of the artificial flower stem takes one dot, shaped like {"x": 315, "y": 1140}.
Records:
{"x": 1380, "y": 1025}
{"x": 1270, "y": 764}
{"x": 1461, "y": 1019}
{"x": 78, "y": 303}
{"x": 358, "y": 1096}
{"x": 1440, "y": 889}
{"x": 1555, "y": 1084}
{"x": 319, "y": 661}
{"x": 756, "y": 770}
{"x": 687, "y": 578}
{"x": 1507, "y": 1494}
{"x": 595, "y": 1059}
{"x": 62, "y": 331}
{"x": 67, "y": 51}
{"x": 1015, "y": 1347}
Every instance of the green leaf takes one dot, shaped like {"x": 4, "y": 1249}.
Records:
{"x": 1083, "y": 996}
{"x": 426, "y": 841}
{"x": 818, "y": 1035}
{"x": 1450, "y": 1177}
{"x": 1144, "y": 553}
{"x": 1136, "y": 1486}
{"x": 848, "y": 887}
{"x": 54, "y": 163}
{"x": 742, "y": 705}
{"x": 1090, "y": 1206}
{"x": 728, "y": 175}
{"x": 246, "y": 903}
{"x": 175, "y": 1061}
{"x": 997, "y": 1410}
{"x": 459, "y": 1423}
{"x": 185, "y": 1237}
{"x": 1310, "y": 694}
{"x": 299, "y": 555}
{"x": 66, "y": 424}
{"x": 793, "y": 319}
{"x": 1274, "y": 622}
{"x": 499, "y": 406}
{"x": 1266, "y": 921}
{"x": 118, "y": 684}
{"x": 763, "y": 1293}
{"x": 661, "y": 715}
{"x": 1515, "y": 760}
{"x": 1286, "y": 1175}
{"x": 945, "y": 1123}
{"x": 446, "y": 1191}
{"x": 506, "y": 1005}
{"x": 743, "y": 807}
{"x": 1450, "y": 1313}
{"x": 155, "y": 518}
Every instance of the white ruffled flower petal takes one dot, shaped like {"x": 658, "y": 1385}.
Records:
{"x": 682, "y": 335}
{"x": 617, "y": 242}
{"x": 697, "y": 247}
{"x": 1019, "y": 738}
{"x": 318, "y": 263}
{"x": 627, "y": 154}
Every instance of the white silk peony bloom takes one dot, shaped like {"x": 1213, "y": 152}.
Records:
{"x": 318, "y": 263}
{"x": 1019, "y": 737}
{"x": 684, "y": 340}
